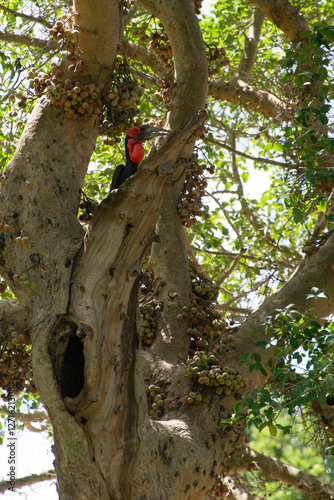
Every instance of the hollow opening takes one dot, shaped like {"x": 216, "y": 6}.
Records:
{"x": 72, "y": 371}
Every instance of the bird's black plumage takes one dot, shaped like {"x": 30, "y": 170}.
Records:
{"x": 121, "y": 173}
{"x": 134, "y": 152}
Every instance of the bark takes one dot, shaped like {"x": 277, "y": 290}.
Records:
{"x": 143, "y": 55}
{"x": 40, "y": 194}
{"x": 46, "y": 213}
{"x": 103, "y": 308}
{"x": 12, "y": 313}
{"x": 98, "y": 35}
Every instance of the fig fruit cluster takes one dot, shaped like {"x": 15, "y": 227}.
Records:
{"x": 216, "y": 58}
{"x": 62, "y": 32}
{"x": 148, "y": 331}
{"x": 205, "y": 369}
{"x": 77, "y": 100}
{"x": 121, "y": 102}
{"x": 157, "y": 402}
{"x": 158, "y": 42}
{"x": 190, "y": 205}
{"x": 15, "y": 361}
{"x": 89, "y": 207}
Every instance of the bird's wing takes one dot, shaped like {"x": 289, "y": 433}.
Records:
{"x": 116, "y": 177}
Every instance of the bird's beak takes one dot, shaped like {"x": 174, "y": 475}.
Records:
{"x": 151, "y": 133}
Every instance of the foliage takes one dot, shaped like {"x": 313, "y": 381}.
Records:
{"x": 296, "y": 449}
{"x": 301, "y": 371}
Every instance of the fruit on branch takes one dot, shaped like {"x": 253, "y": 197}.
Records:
{"x": 190, "y": 205}
{"x": 148, "y": 330}
{"x": 216, "y": 58}
{"x": 15, "y": 361}
{"x": 120, "y": 105}
{"x": 89, "y": 206}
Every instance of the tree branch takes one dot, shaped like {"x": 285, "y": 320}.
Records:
{"x": 28, "y": 41}
{"x": 256, "y": 159}
{"x": 28, "y": 418}
{"x": 12, "y": 313}
{"x": 236, "y": 492}
{"x": 317, "y": 271}
{"x": 238, "y": 92}
{"x": 250, "y": 46}
{"x": 310, "y": 485}
{"x": 29, "y": 480}
{"x": 286, "y": 17}
{"x": 39, "y": 20}
{"x": 143, "y": 55}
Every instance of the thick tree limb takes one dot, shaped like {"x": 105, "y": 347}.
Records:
{"x": 238, "y": 92}
{"x": 310, "y": 485}
{"x": 29, "y": 41}
{"x": 250, "y": 45}
{"x": 191, "y": 71}
{"x": 12, "y": 313}
{"x": 29, "y": 480}
{"x": 117, "y": 241}
{"x": 143, "y": 55}
{"x": 285, "y": 16}
{"x": 98, "y": 35}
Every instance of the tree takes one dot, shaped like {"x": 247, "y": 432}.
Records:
{"x": 179, "y": 315}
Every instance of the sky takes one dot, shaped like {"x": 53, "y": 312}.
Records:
{"x": 33, "y": 456}
{"x": 33, "y": 450}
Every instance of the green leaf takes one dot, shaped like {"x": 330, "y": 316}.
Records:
{"x": 322, "y": 398}
{"x": 323, "y": 73}
{"x": 322, "y": 205}
{"x": 262, "y": 344}
{"x": 277, "y": 146}
{"x": 323, "y": 119}
{"x": 245, "y": 176}
{"x": 297, "y": 215}
{"x": 262, "y": 370}
{"x": 257, "y": 357}
{"x": 272, "y": 429}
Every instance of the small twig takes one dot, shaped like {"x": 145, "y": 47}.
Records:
{"x": 34, "y": 19}
{"x": 256, "y": 159}
{"x": 226, "y": 215}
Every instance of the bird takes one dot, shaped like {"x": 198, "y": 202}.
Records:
{"x": 134, "y": 151}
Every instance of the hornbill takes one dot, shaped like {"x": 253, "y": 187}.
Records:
{"x": 134, "y": 151}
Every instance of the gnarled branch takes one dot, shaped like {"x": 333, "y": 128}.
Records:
{"x": 310, "y": 485}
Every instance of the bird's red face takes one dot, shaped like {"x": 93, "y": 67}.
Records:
{"x": 136, "y": 150}
{"x": 137, "y": 135}
{"x": 133, "y": 132}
